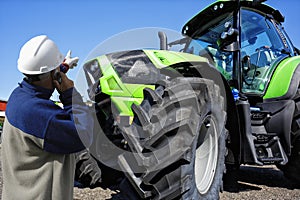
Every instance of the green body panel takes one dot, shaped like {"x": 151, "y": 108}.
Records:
{"x": 162, "y": 58}
{"x": 282, "y": 77}
{"x": 124, "y": 104}
{"x": 122, "y": 95}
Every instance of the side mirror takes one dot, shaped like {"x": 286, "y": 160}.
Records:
{"x": 228, "y": 39}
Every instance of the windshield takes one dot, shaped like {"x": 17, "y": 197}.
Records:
{"x": 261, "y": 50}
{"x": 263, "y": 45}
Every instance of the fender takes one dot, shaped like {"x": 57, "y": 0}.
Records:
{"x": 285, "y": 80}
{"x": 279, "y": 99}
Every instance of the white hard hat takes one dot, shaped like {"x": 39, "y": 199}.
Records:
{"x": 39, "y": 55}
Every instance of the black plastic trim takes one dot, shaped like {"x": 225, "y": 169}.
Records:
{"x": 281, "y": 116}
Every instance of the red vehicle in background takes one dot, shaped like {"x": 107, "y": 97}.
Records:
{"x": 2, "y": 114}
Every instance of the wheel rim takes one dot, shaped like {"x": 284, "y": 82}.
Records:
{"x": 206, "y": 157}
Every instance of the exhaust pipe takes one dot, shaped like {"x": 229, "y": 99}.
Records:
{"x": 163, "y": 40}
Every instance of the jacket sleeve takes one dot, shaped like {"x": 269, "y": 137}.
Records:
{"x": 70, "y": 129}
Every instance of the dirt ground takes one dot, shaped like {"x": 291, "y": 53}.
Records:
{"x": 263, "y": 183}
{"x": 255, "y": 183}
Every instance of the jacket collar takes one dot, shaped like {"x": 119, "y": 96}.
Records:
{"x": 36, "y": 90}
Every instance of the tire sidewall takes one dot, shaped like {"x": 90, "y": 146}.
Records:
{"x": 216, "y": 185}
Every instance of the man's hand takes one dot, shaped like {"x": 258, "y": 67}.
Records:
{"x": 70, "y": 62}
{"x": 65, "y": 84}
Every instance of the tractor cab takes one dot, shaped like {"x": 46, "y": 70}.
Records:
{"x": 243, "y": 39}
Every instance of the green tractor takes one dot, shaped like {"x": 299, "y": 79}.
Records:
{"x": 171, "y": 124}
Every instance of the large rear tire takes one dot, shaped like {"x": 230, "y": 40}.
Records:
{"x": 178, "y": 141}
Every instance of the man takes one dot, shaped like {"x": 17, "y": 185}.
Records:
{"x": 39, "y": 137}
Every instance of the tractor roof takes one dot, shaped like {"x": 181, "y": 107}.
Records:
{"x": 212, "y": 12}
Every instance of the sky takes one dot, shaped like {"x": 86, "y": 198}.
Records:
{"x": 82, "y": 25}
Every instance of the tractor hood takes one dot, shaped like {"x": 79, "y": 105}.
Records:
{"x": 120, "y": 73}
{"x": 124, "y": 75}
{"x": 162, "y": 58}
{"x": 199, "y": 22}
